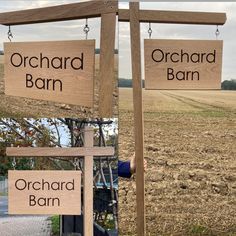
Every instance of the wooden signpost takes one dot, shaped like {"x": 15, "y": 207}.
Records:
{"x": 76, "y": 85}
{"x": 60, "y": 71}
{"x": 183, "y": 64}
{"x": 33, "y": 192}
{"x": 136, "y": 16}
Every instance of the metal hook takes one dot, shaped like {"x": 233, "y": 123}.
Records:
{"x": 86, "y": 29}
{"x": 217, "y": 33}
{"x": 150, "y": 30}
{"x": 9, "y": 33}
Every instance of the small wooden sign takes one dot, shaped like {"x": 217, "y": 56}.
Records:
{"x": 60, "y": 71}
{"x": 183, "y": 64}
{"x": 44, "y": 192}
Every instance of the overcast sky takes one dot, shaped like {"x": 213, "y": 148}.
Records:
{"x": 74, "y": 29}
{"x": 65, "y": 30}
{"x": 175, "y": 31}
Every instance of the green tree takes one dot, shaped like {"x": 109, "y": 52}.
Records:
{"x": 229, "y": 84}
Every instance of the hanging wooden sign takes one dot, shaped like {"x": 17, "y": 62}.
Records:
{"x": 183, "y": 64}
{"x": 44, "y": 192}
{"x": 60, "y": 71}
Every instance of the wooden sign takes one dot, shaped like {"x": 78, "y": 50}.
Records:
{"x": 44, "y": 192}
{"x": 20, "y": 203}
{"x": 183, "y": 64}
{"x": 60, "y": 71}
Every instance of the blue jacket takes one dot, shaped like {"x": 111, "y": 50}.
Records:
{"x": 124, "y": 169}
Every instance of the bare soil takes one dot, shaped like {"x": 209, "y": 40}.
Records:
{"x": 190, "y": 147}
{"x": 25, "y": 107}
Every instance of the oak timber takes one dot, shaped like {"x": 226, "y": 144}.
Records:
{"x": 176, "y": 17}
{"x": 183, "y": 64}
{"x": 88, "y": 184}
{"x": 59, "y": 152}
{"x": 59, "y": 71}
{"x": 44, "y": 192}
{"x": 138, "y": 116}
{"x": 107, "y": 64}
{"x": 65, "y": 12}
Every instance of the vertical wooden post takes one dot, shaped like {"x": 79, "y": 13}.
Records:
{"x": 88, "y": 185}
{"x": 138, "y": 115}
{"x": 107, "y": 73}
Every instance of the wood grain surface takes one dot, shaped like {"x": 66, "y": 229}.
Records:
{"x": 64, "y": 85}
{"x": 107, "y": 64}
{"x": 65, "y": 12}
{"x": 162, "y": 71}
{"x": 59, "y": 152}
{"x": 88, "y": 184}
{"x": 138, "y": 116}
{"x": 47, "y": 201}
{"x": 176, "y": 17}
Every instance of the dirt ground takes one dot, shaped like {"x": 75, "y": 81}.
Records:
{"x": 190, "y": 147}
{"x": 24, "y": 107}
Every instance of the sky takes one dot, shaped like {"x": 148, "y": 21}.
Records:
{"x": 64, "y": 30}
{"x": 74, "y": 29}
{"x": 65, "y": 134}
{"x": 175, "y": 31}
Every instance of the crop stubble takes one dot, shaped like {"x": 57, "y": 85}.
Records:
{"x": 190, "y": 182}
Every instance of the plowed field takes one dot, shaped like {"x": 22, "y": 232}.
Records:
{"x": 190, "y": 147}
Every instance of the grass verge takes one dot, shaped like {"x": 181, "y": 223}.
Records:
{"x": 55, "y": 225}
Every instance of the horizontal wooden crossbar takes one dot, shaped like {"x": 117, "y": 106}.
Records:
{"x": 59, "y": 152}
{"x": 66, "y": 12}
{"x": 176, "y": 17}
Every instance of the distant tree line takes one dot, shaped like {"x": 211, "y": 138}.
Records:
{"x": 127, "y": 83}
{"x": 225, "y": 85}
{"x": 229, "y": 84}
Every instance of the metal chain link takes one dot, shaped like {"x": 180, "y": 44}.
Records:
{"x": 150, "y": 30}
{"x": 76, "y": 163}
{"x": 86, "y": 29}
{"x": 32, "y": 162}
{"x": 217, "y": 33}
{"x": 13, "y": 163}
{"x": 9, "y": 34}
